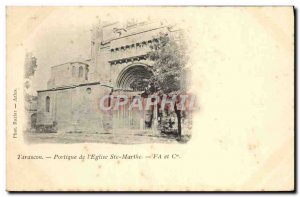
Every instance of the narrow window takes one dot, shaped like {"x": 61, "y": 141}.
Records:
{"x": 86, "y": 72}
{"x": 73, "y": 71}
{"x": 47, "y": 104}
{"x": 80, "y": 73}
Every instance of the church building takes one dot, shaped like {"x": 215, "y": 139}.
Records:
{"x": 118, "y": 62}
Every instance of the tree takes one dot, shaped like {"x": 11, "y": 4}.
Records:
{"x": 30, "y": 65}
{"x": 169, "y": 64}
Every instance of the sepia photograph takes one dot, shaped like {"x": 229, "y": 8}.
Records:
{"x": 150, "y": 98}
{"x": 128, "y": 84}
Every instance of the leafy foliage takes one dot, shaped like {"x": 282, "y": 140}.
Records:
{"x": 170, "y": 59}
{"x": 30, "y": 65}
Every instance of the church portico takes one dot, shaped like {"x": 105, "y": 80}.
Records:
{"x": 119, "y": 65}
{"x": 134, "y": 77}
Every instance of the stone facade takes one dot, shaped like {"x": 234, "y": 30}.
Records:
{"x": 118, "y": 60}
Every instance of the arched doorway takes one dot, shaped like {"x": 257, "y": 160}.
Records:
{"x": 135, "y": 77}
{"x": 132, "y": 82}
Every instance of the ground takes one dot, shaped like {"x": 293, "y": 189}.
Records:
{"x": 111, "y": 137}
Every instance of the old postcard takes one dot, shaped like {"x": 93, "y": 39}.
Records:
{"x": 150, "y": 98}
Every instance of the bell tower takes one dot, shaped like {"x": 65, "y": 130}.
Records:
{"x": 101, "y": 36}
{"x": 95, "y": 44}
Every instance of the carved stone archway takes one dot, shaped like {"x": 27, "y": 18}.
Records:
{"x": 131, "y": 81}
{"x": 134, "y": 77}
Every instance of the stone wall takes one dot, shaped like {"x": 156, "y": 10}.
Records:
{"x": 103, "y": 67}
{"x": 71, "y": 73}
{"x": 87, "y": 116}
{"x": 73, "y": 109}
{"x": 44, "y": 117}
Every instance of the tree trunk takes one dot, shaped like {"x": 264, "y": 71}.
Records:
{"x": 178, "y": 114}
{"x": 179, "y": 125}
